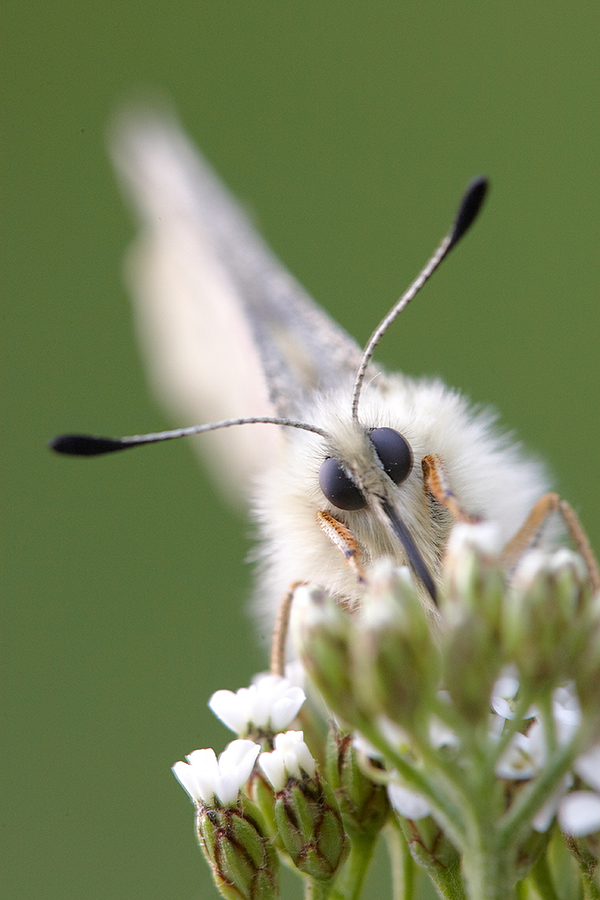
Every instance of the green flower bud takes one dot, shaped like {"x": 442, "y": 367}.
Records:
{"x": 586, "y": 668}
{"x": 473, "y": 577}
{"x": 429, "y": 846}
{"x": 395, "y": 660}
{"x": 321, "y": 632}
{"x": 310, "y": 827}
{"x": 543, "y": 629}
{"x": 471, "y": 660}
{"x": 243, "y": 859}
{"x": 363, "y": 803}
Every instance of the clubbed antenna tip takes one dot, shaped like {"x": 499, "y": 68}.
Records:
{"x": 86, "y": 445}
{"x": 469, "y": 208}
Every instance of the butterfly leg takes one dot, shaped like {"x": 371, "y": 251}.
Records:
{"x": 437, "y": 484}
{"x": 344, "y": 540}
{"x": 529, "y": 533}
{"x": 280, "y": 632}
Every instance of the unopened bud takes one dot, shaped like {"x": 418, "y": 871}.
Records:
{"x": 363, "y": 802}
{"x": 242, "y": 857}
{"x": 310, "y": 827}
{"x": 321, "y": 633}
{"x": 306, "y": 814}
{"x": 473, "y": 577}
{"x": 429, "y": 846}
{"x": 544, "y": 631}
{"x": 395, "y": 660}
{"x": 472, "y": 660}
{"x": 586, "y": 671}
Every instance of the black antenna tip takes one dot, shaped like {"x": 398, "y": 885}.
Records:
{"x": 85, "y": 444}
{"x": 469, "y": 208}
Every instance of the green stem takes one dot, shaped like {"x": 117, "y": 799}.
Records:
{"x": 447, "y": 812}
{"x": 349, "y": 883}
{"x": 449, "y": 883}
{"x": 590, "y": 887}
{"x": 317, "y": 890}
{"x": 511, "y": 726}
{"x": 587, "y": 863}
{"x": 488, "y": 871}
{"x": 402, "y": 863}
{"x": 518, "y": 818}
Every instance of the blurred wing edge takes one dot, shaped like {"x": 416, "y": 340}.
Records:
{"x": 226, "y": 329}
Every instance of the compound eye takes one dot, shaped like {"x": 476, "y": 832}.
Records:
{"x": 394, "y": 453}
{"x": 338, "y": 487}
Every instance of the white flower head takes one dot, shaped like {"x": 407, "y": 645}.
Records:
{"x": 579, "y": 813}
{"x": 504, "y": 692}
{"x": 270, "y": 704}
{"x": 536, "y": 563}
{"x": 205, "y": 777}
{"x": 291, "y": 758}
{"x": 520, "y": 760}
{"x": 405, "y": 801}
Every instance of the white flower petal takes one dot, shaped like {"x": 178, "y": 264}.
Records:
{"x": 408, "y": 803}
{"x": 270, "y": 703}
{"x": 273, "y": 766}
{"x": 394, "y": 734}
{"x": 286, "y": 709}
{"x": 290, "y": 758}
{"x": 543, "y": 818}
{"x": 440, "y": 735}
{"x": 235, "y": 765}
{"x": 579, "y": 813}
{"x": 587, "y": 766}
{"x": 516, "y": 763}
{"x": 239, "y": 756}
{"x": 185, "y": 775}
{"x": 198, "y": 775}
{"x": 362, "y": 745}
{"x": 227, "y": 706}
{"x": 507, "y": 684}
{"x": 502, "y": 707}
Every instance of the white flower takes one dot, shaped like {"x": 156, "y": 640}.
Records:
{"x": 579, "y": 812}
{"x": 504, "y": 693}
{"x": 536, "y": 563}
{"x": 270, "y": 704}
{"x": 527, "y": 754}
{"x": 520, "y": 760}
{"x": 407, "y": 802}
{"x": 291, "y": 758}
{"x": 205, "y": 777}
{"x": 587, "y": 767}
{"x": 544, "y": 816}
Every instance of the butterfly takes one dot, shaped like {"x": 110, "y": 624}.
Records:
{"x": 347, "y": 463}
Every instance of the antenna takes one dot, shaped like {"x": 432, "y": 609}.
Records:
{"x": 90, "y": 445}
{"x": 468, "y": 211}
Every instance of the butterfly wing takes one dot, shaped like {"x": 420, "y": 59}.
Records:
{"x": 228, "y": 331}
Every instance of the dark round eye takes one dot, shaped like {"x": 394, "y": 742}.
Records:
{"x": 338, "y": 487}
{"x": 394, "y": 453}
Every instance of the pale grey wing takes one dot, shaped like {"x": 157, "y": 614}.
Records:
{"x": 228, "y": 331}
{"x": 300, "y": 347}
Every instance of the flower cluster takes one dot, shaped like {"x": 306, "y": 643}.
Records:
{"x": 473, "y": 734}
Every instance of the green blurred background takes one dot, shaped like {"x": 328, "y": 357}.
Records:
{"x": 350, "y": 129}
